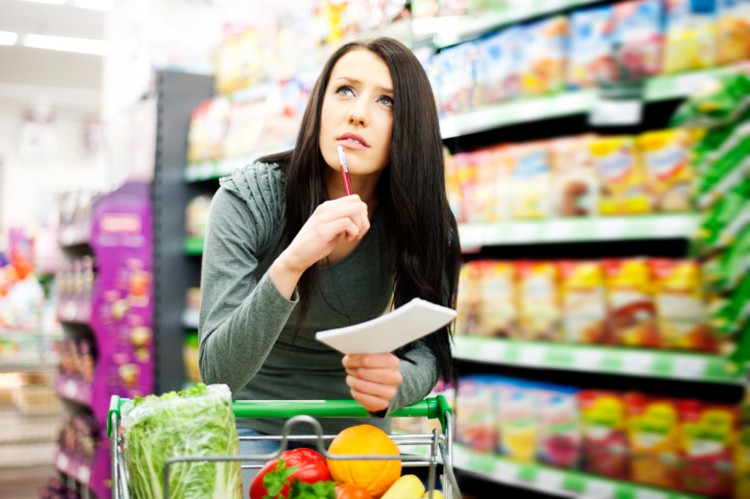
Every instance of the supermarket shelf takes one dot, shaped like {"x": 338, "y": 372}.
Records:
{"x": 77, "y": 312}
{"x": 569, "y": 103}
{"x": 448, "y": 30}
{"x": 27, "y": 351}
{"x": 73, "y": 467}
{"x": 553, "y": 480}
{"x": 190, "y": 318}
{"x": 686, "y": 366}
{"x": 193, "y": 246}
{"x": 215, "y": 168}
{"x": 74, "y": 390}
{"x": 475, "y": 235}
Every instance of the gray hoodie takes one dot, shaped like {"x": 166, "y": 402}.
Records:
{"x": 247, "y": 337}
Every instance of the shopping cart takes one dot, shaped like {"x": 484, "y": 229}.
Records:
{"x": 430, "y": 451}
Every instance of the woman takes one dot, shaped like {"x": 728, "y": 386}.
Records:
{"x": 288, "y": 253}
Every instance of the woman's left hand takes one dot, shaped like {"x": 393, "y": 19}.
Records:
{"x": 373, "y": 378}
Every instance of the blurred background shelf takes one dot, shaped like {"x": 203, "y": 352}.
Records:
{"x": 598, "y": 359}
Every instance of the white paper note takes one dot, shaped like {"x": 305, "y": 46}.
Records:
{"x": 388, "y": 332}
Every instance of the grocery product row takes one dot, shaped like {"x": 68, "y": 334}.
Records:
{"x": 635, "y": 302}
{"x": 622, "y": 41}
{"x": 680, "y": 444}
{"x": 579, "y": 176}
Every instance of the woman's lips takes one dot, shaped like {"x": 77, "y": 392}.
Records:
{"x": 352, "y": 141}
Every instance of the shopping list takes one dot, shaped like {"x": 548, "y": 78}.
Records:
{"x": 388, "y": 332}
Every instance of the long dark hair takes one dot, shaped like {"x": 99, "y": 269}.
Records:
{"x": 423, "y": 237}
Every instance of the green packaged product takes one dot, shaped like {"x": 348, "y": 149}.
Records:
{"x": 730, "y": 313}
{"x": 722, "y": 224}
{"x": 720, "y": 101}
{"x": 723, "y": 270}
{"x": 720, "y": 175}
{"x": 195, "y": 422}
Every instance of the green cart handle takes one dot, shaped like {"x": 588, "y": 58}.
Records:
{"x": 431, "y": 408}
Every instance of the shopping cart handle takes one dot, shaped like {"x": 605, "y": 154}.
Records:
{"x": 431, "y": 408}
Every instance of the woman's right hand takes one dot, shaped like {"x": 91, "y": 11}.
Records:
{"x": 343, "y": 217}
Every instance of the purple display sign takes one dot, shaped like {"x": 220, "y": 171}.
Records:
{"x": 122, "y": 308}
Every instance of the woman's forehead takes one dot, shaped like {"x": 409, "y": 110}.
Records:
{"x": 363, "y": 65}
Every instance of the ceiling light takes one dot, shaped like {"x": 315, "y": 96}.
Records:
{"x": 8, "y": 38}
{"x": 48, "y": 2}
{"x": 66, "y": 44}
{"x": 102, "y": 5}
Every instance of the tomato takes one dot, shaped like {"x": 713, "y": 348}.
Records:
{"x": 310, "y": 466}
{"x": 351, "y": 491}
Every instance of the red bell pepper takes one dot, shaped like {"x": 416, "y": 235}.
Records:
{"x": 305, "y": 465}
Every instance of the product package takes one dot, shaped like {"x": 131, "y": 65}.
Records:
{"x": 498, "y": 313}
{"x": 544, "y": 56}
{"x": 559, "y": 441}
{"x": 540, "y": 311}
{"x": 530, "y": 181}
{"x": 707, "y": 437}
{"x": 632, "y": 314}
{"x": 653, "y": 430}
{"x": 624, "y": 189}
{"x": 591, "y": 58}
{"x": 477, "y": 180}
{"x": 498, "y": 67}
{"x": 575, "y": 184}
{"x": 604, "y": 431}
{"x": 638, "y": 38}
{"x": 197, "y": 421}
{"x": 584, "y": 303}
{"x": 518, "y": 421}
{"x": 680, "y": 305}
{"x": 733, "y": 31}
{"x": 691, "y": 35}
{"x": 666, "y": 160}
{"x": 476, "y": 422}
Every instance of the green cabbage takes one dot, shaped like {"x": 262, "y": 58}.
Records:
{"x": 197, "y": 421}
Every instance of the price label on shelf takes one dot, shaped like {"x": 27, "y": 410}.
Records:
{"x": 507, "y": 470}
{"x": 493, "y": 351}
{"x": 611, "y": 229}
{"x": 688, "y": 367}
{"x": 637, "y": 362}
{"x": 70, "y": 389}
{"x": 84, "y": 474}
{"x": 460, "y": 458}
{"x": 551, "y": 479}
{"x": 532, "y": 354}
{"x": 559, "y": 231}
{"x": 588, "y": 359}
{"x": 690, "y": 83}
{"x": 650, "y": 494}
{"x": 599, "y": 489}
{"x": 523, "y": 232}
{"x": 62, "y": 462}
{"x": 617, "y": 105}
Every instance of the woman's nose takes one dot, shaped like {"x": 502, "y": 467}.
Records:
{"x": 357, "y": 114}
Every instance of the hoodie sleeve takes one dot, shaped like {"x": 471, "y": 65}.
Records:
{"x": 241, "y": 314}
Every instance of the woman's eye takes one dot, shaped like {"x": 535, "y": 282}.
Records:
{"x": 345, "y": 90}
{"x": 388, "y": 101}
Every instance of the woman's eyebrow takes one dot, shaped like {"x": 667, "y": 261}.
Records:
{"x": 354, "y": 81}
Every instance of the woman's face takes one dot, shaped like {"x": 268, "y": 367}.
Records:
{"x": 358, "y": 114}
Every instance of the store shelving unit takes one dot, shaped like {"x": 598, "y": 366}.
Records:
{"x": 549, "y": 480}
{"x": 700, "y": 375}
{"x": 568, "y": 103}
{"x": 686, "y": 366}
{"x": 175, "y": 270}
{"x": 117, "y": 236}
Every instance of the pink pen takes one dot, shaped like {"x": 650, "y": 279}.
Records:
{"x": 345, "y": 171}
